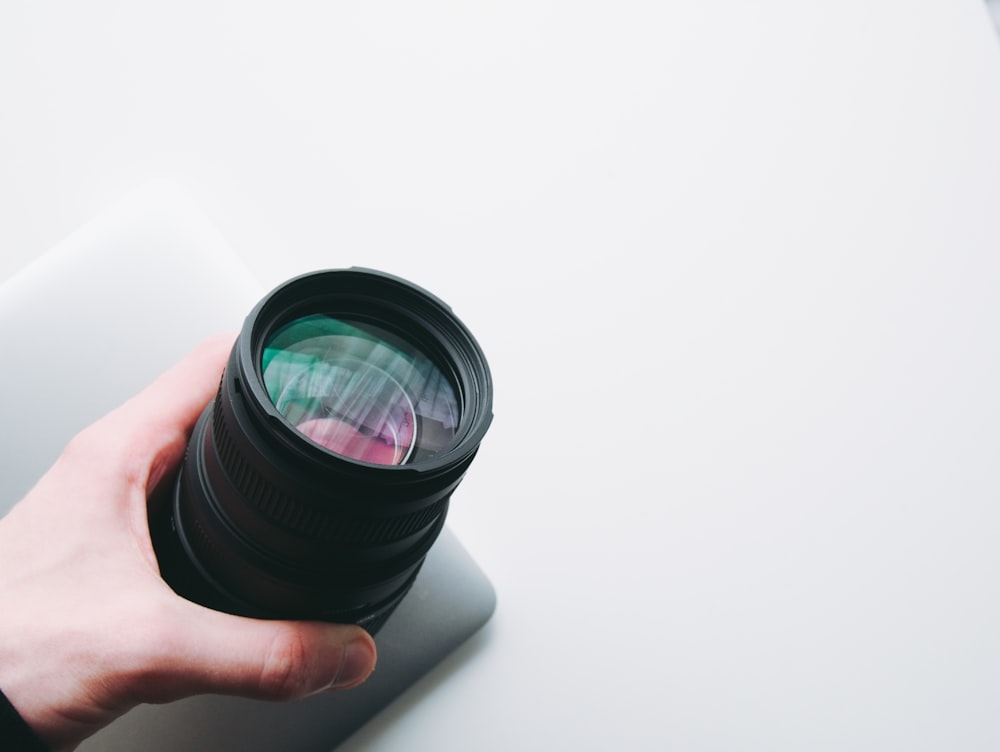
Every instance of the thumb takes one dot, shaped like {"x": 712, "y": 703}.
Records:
{"x": 262, "y": 659}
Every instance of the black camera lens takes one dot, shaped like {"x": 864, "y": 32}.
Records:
{"x": 317, "y": 480}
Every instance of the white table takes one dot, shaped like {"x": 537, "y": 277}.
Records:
{"x": 735, "y": 267}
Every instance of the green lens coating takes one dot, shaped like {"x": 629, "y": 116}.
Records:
{"x": 359, "y": 391}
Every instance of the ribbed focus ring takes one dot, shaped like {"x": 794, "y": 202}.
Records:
{"x": 307, "y": 520}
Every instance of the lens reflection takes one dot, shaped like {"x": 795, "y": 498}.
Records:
{"x": 358, "y": 391}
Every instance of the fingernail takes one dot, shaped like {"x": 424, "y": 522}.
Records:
{"x": 356, "y": 665}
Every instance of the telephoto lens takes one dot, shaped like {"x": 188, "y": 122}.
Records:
{"x": 315, "y": 483}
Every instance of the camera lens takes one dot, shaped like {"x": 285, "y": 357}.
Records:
{"x": 314, "y": 484}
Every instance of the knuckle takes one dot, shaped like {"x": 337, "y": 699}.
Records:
{"x": 91, "y": 446}
{"x": 80, "y": 448}
{"x": 284, "y": 671}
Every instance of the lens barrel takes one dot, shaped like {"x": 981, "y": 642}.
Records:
{"x": 315, "y": 483}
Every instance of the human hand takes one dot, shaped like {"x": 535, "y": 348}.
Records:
{"x": 88, "y": 629}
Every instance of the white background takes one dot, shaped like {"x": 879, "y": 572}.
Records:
{"x": 735, "y": 267}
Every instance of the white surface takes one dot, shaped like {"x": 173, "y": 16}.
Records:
{"x": 735, "y": 267}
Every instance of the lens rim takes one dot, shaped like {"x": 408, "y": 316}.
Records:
{"x": 402, "y": 309}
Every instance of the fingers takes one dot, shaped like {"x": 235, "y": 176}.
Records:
{"x": 268, "y": 660}
{"x": 151, "y": 429}
{"x": 165, "y": 412}
{"x": 179, "y": 395}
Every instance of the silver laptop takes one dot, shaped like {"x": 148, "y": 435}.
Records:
{"x": 93, "y": 321}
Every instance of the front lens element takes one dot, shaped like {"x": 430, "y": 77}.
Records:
{"x": 359, "y": 391}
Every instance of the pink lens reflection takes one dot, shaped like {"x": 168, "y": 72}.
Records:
{"x": 391, "y": 447}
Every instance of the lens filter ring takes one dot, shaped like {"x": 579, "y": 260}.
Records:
{"x": 371, "y": 353}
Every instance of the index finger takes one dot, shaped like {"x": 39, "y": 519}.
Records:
{"x": 152, "y": 427}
